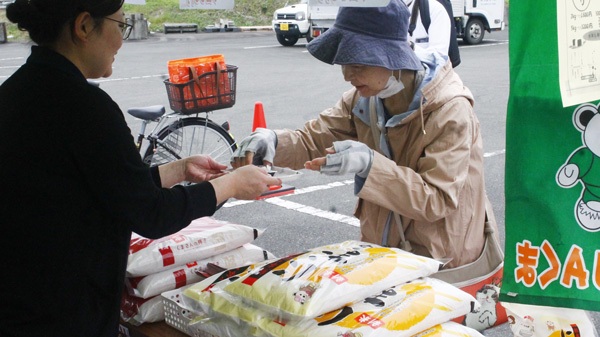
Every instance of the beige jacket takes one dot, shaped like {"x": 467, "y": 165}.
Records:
{"x": 435, "y": 181}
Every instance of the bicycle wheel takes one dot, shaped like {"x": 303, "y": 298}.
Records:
{"x": 190, "y": 136}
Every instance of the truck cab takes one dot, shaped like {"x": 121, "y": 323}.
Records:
{"x": 303, "y": 20}
{"x": 291, "y": 23}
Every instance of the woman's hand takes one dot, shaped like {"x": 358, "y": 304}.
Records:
{"x": 316, "y": 163}
{"x": 202, "y": 168}
{"x": 245, "y": 183}
{"x": 194, "y": 169}
{"x": 347, "y": 156}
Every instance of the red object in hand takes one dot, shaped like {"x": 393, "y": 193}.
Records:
{"x": 276, "y": 191}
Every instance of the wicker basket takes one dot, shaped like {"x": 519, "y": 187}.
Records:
{"x": 210, "y": 91}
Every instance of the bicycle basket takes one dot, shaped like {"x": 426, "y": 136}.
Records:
{"x": 210, "y": 91}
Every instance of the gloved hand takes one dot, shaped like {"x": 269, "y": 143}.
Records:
{"x": 349, "y": 157}
{"x": 257, "y": 149}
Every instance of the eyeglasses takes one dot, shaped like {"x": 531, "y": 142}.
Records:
{"x": 125, "y": 27}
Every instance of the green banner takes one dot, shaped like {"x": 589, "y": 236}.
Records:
{"x": 552, "y": 182}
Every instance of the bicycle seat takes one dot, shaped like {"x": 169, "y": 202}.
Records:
{"x": 148, "y": 113}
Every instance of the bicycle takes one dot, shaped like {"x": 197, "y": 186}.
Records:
{"x": 189, "y": 134}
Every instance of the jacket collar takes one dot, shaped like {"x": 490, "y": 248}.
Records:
{"x": 47, "y": 57}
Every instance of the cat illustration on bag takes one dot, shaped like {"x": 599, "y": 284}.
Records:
{"x": 486, "y": 316}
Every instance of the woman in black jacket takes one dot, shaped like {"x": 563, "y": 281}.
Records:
{"x": 73, "y": 182}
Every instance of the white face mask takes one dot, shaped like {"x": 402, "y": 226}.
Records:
{"x": 392, "y": 87}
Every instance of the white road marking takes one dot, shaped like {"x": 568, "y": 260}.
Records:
{"x": 130, "y": 78}
{"x": 12, "y": 58}
{"x": 500, "y": 42}
{"x": 314, "y": 211}
{"x": 497, "y": 42}
{"x": 296, "y": 192}
{"x": 324, "y": 187}
{"x": 493, "y": 154}
{"x": 259, "y": 47}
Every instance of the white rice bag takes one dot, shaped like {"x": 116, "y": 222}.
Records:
{"x": 155, "y": 284}
{"x": 139, "y": 242}
{"x": 180, "y": 249}
{"x": 400, "y": 311}
{"x": 327, "y": 278}
{"x": 448, "y": 329}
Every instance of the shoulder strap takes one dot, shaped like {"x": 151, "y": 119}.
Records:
{"x": 373, "y": 119}
{"x": 425, "y": 14}
{"x": 453, "y": 52}
{"x": 413, "y": 17}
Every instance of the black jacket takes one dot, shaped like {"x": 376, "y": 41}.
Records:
{"x": 74, "y": 187}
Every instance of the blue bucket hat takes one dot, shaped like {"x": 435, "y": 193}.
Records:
{"x": 372, "y": 36}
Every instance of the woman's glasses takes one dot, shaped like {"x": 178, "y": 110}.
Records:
{"x": 125, "y": 27}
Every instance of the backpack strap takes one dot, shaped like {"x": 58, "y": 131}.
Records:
{"x": 425, "y": 14}
{"x": 421, "y": 6}
{"x": 413, "y": 17}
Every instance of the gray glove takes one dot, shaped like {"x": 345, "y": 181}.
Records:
{"x": 349, "y": 157}
{"x": 262, "y": 142}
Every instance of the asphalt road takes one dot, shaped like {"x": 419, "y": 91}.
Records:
{"x": 294, "y": 87}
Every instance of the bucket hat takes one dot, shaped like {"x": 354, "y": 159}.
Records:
{"x": 372, "y": 36}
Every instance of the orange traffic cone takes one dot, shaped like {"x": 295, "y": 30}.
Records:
{"x": 259, "y": 117}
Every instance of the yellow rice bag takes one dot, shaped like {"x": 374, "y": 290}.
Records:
{"x": 327, "y": 278}
{"x": 399, "y": 311}
{"x": 217, "y": 313}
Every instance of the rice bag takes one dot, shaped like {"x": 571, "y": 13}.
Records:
{"x": 400, "y": 311}
{"x": 180, "y": 249}
{"x": 139, "y": 242}
{"x": 214, "y": 311}
{"x": 449, "y": 329}
{"x": 155, "y": 284}
{"x": 326, "y": 278}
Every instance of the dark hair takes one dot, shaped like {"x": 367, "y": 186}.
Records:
{"x": 44, "y": 19}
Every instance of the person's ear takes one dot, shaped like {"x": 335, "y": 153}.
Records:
{"x": 83, "y": 26}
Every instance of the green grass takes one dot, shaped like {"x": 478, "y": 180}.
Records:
{"x": 244, "y": 13}
{"x": 158, "y": 12}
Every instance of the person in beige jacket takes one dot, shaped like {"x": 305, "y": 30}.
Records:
{"x": 407, "y": 130}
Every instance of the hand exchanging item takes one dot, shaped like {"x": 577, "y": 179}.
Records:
{"x": 346, "y": 156}
{"x": 257, "y": 149}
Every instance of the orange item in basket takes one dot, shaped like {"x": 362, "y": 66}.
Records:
{"x": 179, "y": 71}
{"x": 208, "y": 89}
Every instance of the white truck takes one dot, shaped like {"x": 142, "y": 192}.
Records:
{"x": 472, "y": 18}
{"x": 302, "y": 20}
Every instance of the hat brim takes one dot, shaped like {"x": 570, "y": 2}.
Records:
{"x": 341, "y": 46}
